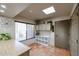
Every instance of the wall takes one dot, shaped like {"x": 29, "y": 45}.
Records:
{"x": 7, "y": 26}
{"x": 74, "y": 31}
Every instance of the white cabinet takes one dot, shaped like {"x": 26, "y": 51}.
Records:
{"x": 37, "y": 27}
{"x": 47, "y": 27}
{"x": 43, "y": 27}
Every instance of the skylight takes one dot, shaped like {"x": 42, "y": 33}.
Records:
{"x": 49, "y": 10}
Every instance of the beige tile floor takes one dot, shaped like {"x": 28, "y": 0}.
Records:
{"x": 40, "y": 50}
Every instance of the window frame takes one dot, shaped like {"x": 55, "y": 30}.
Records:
{"x": 26, "y": 27}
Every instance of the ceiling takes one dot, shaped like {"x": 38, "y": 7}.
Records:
{"x": 34, "y": 11}
{"x": 12, "y": 9}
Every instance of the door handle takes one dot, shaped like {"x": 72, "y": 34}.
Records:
{"x": 77, "y": 41}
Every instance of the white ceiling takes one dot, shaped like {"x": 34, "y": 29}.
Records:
{"x": 12, "y": 9}
{"x": 34, "y": 11}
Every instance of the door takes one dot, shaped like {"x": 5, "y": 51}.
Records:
{"x": 20, "y": 31}
{"x": 62, "y": 34}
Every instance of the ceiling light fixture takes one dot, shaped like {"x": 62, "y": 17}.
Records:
{"x": 3, "y": 6}
{"x": 49, "y": 10}
{"x": 2, "y": 11}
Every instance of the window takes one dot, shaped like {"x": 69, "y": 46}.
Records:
{"x": 23, "y": 31}
{"x": 30, "y": 31}
{"x": 20, "y": 31}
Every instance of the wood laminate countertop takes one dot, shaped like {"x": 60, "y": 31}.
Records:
{"x": 12, "y": 48}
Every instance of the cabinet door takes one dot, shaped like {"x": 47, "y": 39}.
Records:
{"x": 46, "y": 26}
{"x": 43, "y": 27}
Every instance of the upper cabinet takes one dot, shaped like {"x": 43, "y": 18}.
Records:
{"x": 43, "y": 27}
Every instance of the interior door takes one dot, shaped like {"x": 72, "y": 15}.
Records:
{"x": 62, "y": 34}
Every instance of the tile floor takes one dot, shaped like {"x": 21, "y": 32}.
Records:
{"x": 41, "y": 50}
